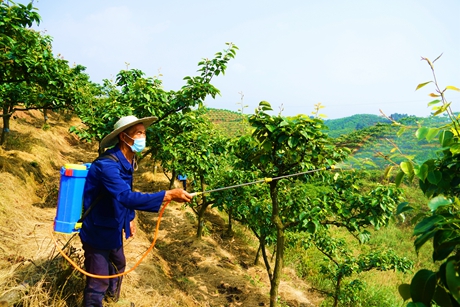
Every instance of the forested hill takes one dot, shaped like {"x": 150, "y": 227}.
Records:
{"x": 378, "y": 142}
{"x": 372, "y": 138}
{"x": 231, "y": 122}
{"x": 340, "y": 126}
{"x": 347, "y": 125}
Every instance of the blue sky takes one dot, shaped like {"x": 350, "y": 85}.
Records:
{"x": 353, "y": 57}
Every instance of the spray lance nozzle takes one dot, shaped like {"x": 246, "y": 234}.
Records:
{"x": 265, "y": 180}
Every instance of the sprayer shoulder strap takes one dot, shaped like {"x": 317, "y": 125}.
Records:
{"x": 99, "y": 197}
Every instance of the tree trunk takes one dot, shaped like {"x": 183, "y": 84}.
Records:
{"x": 274, "y": 253}
{"x": 6, "y": 123}
{"x": 265, "y": 257}
{"x": 275, "y": 281}
{"x": 199, "y": 231}
{"x": 201, "y": 211}
{"x": 337, "y": 290}
{"x": 172, "y": 179}
{"x": 280, "y": 240}
{"x": 256, "y": 260}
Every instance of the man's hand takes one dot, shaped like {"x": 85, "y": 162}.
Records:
{"x": 178, "y": 195}
{"x": 132, "y": 227}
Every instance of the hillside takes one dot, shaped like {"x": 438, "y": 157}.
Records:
{"x": 340, "y": 126}
{"x": 372, "y": 138}
{"x": 231, "y": 123}
{"x": 381, "y": 142}
{"x": 181, "y": 271}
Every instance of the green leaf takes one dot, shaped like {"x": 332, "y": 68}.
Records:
{"x": 428, "y": 223}
{"x": 423, "y": 286}
{"x": 270, "y": 128}
{"x": 434, "y": 177}
{"x": 438, "y": 201}
{"x": 399, "y": 178}
{"x": 282, "y": 138}
{"x": 436, "y": 101}
{"x": 265, "y": 105}
{"x": 432, "y": 132}
{"x": 387, "y": 172}
{"x": 442, "y": 298}
{"x": 422, "y": 85}
{"x": 407, "y": 168}
{"x": 403, "y": 207}
{"x": 453, "y": 279}
{"x": 455, "y": 149}
{"x": 302, "y": 215}
{"x": 283, "y": 123}
{"x": 442, "y": 251}
{"x": 441, "y": 109}
{"x": 267, "y": 146}
{"x": 404, "y": 291}
{"x": 292, "y": 142}
{"x": 311, "y": 227}
{"x": 445, "y": 138}
{"x": 364, "y": 236}
{"x": 422, "y": 172}
{"x": 421, "y": 240}
{"x": 421, "y": 133}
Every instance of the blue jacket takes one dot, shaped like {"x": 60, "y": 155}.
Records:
{"x": 104, "y": 225}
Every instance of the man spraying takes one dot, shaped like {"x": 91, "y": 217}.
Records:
{"x": 108, "y": 191}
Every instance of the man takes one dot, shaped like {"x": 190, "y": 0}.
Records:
{"x": 108, "y": 191}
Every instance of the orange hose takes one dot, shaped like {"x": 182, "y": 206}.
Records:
{"x": 75, "y": 265}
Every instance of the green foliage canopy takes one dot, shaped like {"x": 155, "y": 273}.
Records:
{"x": 135, "y": 94}
{"x": 31, "y": 77}
{"x": 439, "y": 180}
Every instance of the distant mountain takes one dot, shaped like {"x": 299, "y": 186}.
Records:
{"x": 371, "y": 138}
{"x": 338, "y": 127}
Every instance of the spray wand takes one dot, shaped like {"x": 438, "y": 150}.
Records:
{"x": 265, "y": 180}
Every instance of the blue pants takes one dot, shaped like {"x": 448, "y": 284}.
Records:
{"x": 102, "y": 262}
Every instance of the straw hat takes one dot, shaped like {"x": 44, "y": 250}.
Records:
{"x": 121, "y": 125}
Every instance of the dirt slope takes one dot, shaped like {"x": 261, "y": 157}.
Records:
{"x": 181, "y": 271}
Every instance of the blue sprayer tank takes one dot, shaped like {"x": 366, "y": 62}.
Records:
{"x": 70, "y": 198}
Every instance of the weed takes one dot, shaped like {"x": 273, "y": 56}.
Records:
{"x": 205, "y": 231}
{"x": 190, "y": 216}
{"x": 256, "y": 280}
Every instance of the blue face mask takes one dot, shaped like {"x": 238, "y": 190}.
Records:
{"x": 139, "y": 144}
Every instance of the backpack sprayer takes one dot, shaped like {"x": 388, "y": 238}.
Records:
{"x": 69, "y": 207}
